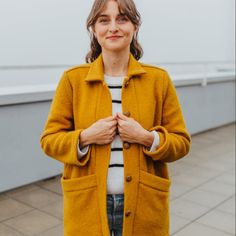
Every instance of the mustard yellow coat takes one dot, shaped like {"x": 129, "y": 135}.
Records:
{"x": 82, "y": 97}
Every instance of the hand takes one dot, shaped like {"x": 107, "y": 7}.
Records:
{"x": 101, "y": 132}
{"x": 132, "y": 132}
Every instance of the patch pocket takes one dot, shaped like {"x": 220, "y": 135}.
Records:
{"x": 152, "y": 212}
{"x": 81, "y": 208}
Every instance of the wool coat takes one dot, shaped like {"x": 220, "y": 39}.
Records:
{"x": 82, "y": 97}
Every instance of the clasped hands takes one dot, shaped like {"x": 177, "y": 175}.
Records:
{"x": 104, "y": 131}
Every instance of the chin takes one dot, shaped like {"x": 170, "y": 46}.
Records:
{"x": 116, "y": 48}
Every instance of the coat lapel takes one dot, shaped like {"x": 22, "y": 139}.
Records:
{"x": 96, "y": 71}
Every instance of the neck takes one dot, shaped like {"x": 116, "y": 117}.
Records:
{"x": 115, "y": 64}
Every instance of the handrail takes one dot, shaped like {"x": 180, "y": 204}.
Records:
{"x": 44, "y": 92}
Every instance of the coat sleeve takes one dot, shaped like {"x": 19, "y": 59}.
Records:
{"x": 59, "y": 139}
{"x": 174, "y": 138}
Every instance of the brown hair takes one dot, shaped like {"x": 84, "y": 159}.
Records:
{"x": 129, "y": 9}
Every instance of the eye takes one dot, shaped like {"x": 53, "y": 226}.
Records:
{"x": 103, "y": 20}
{"x": 122, "y": 19}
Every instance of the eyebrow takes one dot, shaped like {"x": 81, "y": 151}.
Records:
{"x": 120, "y": 14}
{"x": 103, "y": 15}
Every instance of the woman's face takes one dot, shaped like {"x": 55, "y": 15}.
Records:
{"x": 113, "y": 30}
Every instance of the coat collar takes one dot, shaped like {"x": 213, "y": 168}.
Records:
{"x": 96, "y": 72}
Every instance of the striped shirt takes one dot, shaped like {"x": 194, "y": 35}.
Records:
{"x": 115, "y": 178}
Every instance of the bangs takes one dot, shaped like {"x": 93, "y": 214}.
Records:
{"x": 125, "y": 7}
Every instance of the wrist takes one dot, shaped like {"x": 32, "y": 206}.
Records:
{"x": 84, "y": 139}
{"x": 148, "y": 138}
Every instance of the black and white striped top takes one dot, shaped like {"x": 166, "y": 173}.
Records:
{"x": 115, "y": 178}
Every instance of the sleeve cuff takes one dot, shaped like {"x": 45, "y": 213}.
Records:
{"x": 82, "y": 151}
{"x": 155, "y": 143}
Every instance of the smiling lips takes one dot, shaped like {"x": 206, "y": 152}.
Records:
{"x": 114, "y": 37}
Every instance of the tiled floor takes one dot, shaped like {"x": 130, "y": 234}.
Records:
{"x": 202, "y": 194}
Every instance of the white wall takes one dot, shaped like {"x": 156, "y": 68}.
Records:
{"x": 52, "y": 32}
{"x": 188, "y": 30}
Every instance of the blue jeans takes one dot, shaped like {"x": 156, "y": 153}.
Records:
{"x": 115, "y": 211}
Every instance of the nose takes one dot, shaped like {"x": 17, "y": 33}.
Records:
{"x": 113, "y": 27}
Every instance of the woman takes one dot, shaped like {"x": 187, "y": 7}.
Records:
{"x": 115, "y": 123}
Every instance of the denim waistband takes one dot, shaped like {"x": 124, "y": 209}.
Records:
{"x": 115, "y": 196}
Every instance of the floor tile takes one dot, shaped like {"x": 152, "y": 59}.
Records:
{"x": 204, "y": 198}
{"x": 3, "y": 196}
{"x": 219, "y": 220}
{"x": 228, "y": 206}
{"x": 204, "y": 172}
{"x": 216, "y": 165}
{"x": 180, "y": 167}
{"x": 228, "y": 157}
{"x": 177, "y": 223}
{"x": 186, "y": 209}
{"x": 196, "y": 229}
{"x": 24, "y": 189}
{"x": 53, "y": 185}
{"x": 220, "y": 148}
{"x": 10, "y": 208}
{"x": 37, "y": 198}
{"x": 178, "y": 189}
{"x": 203, "y": 140}
{"x": 33, "y": 222}
{"x": 190, "y": 180}
{"x": 7, "y": 231}
{"x": 227, "y": 178}
{"x": 56, "y": 231}
{"x": 215, "y": 186}
{"x": 54, "y": 209}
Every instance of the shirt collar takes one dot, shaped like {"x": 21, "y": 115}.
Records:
{"x": 96, "y": 72}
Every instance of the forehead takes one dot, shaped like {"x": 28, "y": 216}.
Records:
{"x": 111, "y": 7}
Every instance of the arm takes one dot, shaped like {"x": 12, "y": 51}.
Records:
{"x": 174, "y": 138}
{"x": 59, "y": 138}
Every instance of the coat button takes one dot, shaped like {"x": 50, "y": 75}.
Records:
{"x": 126, "y": 145}
{"x": 127, "y": 213}
{"x": 126, "y": 84}
{"x": 128, "y": 178}
{"x": 127, "y": 113}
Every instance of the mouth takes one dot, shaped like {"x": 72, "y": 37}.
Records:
{"x": 114, "y": 37}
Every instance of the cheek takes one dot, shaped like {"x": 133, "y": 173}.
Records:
{"x": 100, "y": 38}
{"x": 129, "y": 32}
{"x": 129, "y": 36}
{"x": 99, "y": 31}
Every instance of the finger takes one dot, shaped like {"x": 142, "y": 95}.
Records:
{"x": 120, "y": 122}
{"x": 114, "y": 128}
{"x": 121, "y": 116}
{"x": 114, "y": 134}
{"x": 113, "y": 123}
{"x": 110, "y": 118}
{"x": 120, "y": 130}
{"x": 116, "y": 115}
